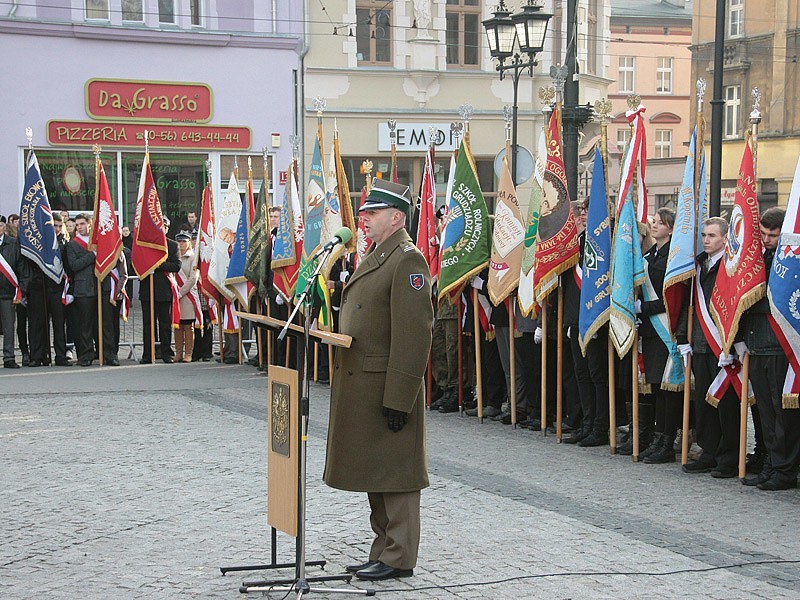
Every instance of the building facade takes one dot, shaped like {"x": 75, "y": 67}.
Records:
{"x": 207, "y": 80}
{"x": 650, "y": 56}
{"x": 762, "y": 43}
{"x": 416, "y": 62}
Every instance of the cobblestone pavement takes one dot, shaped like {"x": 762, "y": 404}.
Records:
{"x": 141, "y": 481}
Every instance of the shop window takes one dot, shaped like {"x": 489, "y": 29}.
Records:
{"x": 97, "y": 9}
{"x": 463, "y": 32}
{"x": 69, "y": 178}
{"x": 374, "y": 32}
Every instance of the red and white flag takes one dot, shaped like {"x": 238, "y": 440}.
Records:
{"x": 106, "y": 236}
{"x": 427, "y": 238}
{"x": 634, "y": 165}
{"x": 149, "y": 248}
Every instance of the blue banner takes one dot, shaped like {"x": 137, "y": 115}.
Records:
{"x": 37, "y": 235}
{"x": 235, "y": 279}
{"x": 596, "y": 286}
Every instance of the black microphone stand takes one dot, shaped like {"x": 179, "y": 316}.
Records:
{"x": 301, "y": 582}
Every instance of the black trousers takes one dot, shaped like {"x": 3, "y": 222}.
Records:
{"x": 44, "y": 307}
{"x": 591, "y": 375}
{"x": 780, "y": 426}
{"x": 204, "y": 340}
{"x": 163, "y": 318}
{"x": 493, "y": 379}
{"x": 85, "y": 312}
{"x": 22, "y": 327}
{"x": 717, "y": 428}
{"x": 110, "y": 329}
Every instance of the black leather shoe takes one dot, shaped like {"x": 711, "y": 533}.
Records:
{"x": 26, "y": 359}
{"x": 168, "y": 360}
{"x": 85, "y": 363}
{"x": 490, "y": 411}
{"x": 113, "y": 362}
{"x": 594, "y": 440}
{"x": 11, "y": 365}
{"x": 63, "y": 362}
{"x": 724, "y": 473}
{"x": 698, "y": 466}
{"x": 35, "y": 363}
{"x": 754, "y": 480}
{"x": 145, "y": 361}
{"x": 577, "y": 436}
{"x": 449, "y": 407}
{"x": 231, "y": 361}
{"x": 357, "y": 568}
{"x": 755, "y": 463}
{"x": 380, "y": 571}
{"x": 775, "y": 484}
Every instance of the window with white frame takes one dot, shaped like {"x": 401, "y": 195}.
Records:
{"x": 663, "y": 143}
{"x": 463, "y": 20}
{"x": 166, "y": 11}
{"x": 374, "y": 32}
{"x": 664, "y": 75}
{"x": 97, "y": 9}
{"x": 626, "y": 80}
{"x": 733, "y": 101}
{"x": 735, "y": 18}
{"x": 132, "y": 11}
{"x": 623, "y": 135}
{"x": 196, "y": 12}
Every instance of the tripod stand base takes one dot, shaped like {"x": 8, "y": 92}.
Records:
{"x": 302, "y": 590}
{"x": 309, "y": 563}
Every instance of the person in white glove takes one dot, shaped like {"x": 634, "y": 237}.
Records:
{"x": 686, "y": 351}
{"x": 726, "y": 360}
{"x": 537, "y": 335}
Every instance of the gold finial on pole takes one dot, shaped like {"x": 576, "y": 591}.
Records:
{"x": 96, "y": 149}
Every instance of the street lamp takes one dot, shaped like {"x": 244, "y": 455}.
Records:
{"x": 518, "y": 39}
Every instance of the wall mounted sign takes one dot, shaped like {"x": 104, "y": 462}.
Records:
{"x": 115, "y": 99}
{"x": 413, "y": 137}
{"x": 131, "y": 135}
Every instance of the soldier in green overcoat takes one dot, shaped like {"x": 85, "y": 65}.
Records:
{"x": 376, "y": 434}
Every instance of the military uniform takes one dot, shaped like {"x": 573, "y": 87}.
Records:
{"x": 387, "y": 310}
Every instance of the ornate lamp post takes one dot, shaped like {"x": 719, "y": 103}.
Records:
{"x": 517, "y": 39}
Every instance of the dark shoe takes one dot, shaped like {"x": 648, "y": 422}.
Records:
{"x": 698, "y": 466}
{"x": 168, "y": 360}
{"x": 206, "y": 359}
{"x": 755, "y": 480}
{"x": 35, "y": 363}
{"x": 755, "y": 463}
{"x": 594, "y": 440}
{"x": 357, "y": 568}
{"x": 85, "y": 363}
{"x": 63, "y": 362}
{"x": 776, "y": 484}
{"x": 655, "y": 445}
{"x": 532, "y": 424}
{"x": 145, "y": 361}
{"x": 231, "y": 361}
{"x": 489, "y": 412}
{"x": 566, "y": 427}
{"x": 112, "y": 362}
{"x": 26, "y": 359}
{"x": 577, "y": 436}
{"x": 664, "y": 454}
{"x": 450, "y": 406}
{"x": 11, "y": 365}
{"x": 724, "y": 473}
{"x": 626, "y": 449}
{"x": 471, "y": 412}
{"x": 380, "y": 571}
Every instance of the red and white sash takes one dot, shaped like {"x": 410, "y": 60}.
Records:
{"x": 577, "y": 272}
{"x": 176, "y": 300}
{"x": 125, "y": 308}
{"x": 193, "y": 298}
{"x": 81, "y": 243}
{"x": 230, "y": 322}
{"x": 727, "y": 376}
{"x": 9, "y": 274}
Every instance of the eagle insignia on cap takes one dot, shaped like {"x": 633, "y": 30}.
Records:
{"x": 417, "y": 281}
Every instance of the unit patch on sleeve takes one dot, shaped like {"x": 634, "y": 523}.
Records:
{"x": 417, "y": 281}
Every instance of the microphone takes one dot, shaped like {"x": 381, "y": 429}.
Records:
{"x": 342, "y": 236}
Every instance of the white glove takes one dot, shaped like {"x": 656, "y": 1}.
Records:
{"x": 343, "y": 276}
{"x": 638, "y": 306}
{"x": 537, "y": 335}
{"x": 741, "y": 350}
{"x": 685, "y": 350}
{"x": 569, "y": 332}
{"x": 279, "y": 300}
{"x": 638, "y": 322}
{"x": 70, "y": 299}
{"x": 726, "y": 360}
{"x": 476, "y": 282}
{"x": 24, "y": 301}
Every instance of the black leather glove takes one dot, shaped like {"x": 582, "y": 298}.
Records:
{"x": 397, "y": 419}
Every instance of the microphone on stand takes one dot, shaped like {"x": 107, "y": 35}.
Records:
{"x": 342, "y": 236}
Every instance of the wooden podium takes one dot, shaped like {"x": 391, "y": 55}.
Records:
{"x": 284, "y": 473}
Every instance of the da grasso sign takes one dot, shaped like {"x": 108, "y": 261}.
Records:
{"x": 414, "y": 137}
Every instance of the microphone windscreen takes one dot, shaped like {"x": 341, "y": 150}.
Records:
{"x": 344, "y": 234}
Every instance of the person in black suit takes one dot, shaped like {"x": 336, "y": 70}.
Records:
{"x": 84, "y": 290}
{"x": 717, "y": 428}
{"x": 9, "y": 249}
{"x": 162, "y": 304}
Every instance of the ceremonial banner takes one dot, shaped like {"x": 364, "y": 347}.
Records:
{"x": 205, "y": 244}
{"x": 331, "y": 213}
{"x": 596, "y": 269}
{"x": 235, "y": 279}
{"x": 526, "y": 297}
{"x": 634, "y": 164}
{"x": 557, "y": 246}
{"x": 672, "y": 378}
{"x": 345, "y": 202}
{"x": 508, "y": 237}
{"x": 37, "y": 235}
{"x": 226, "y": 223}
{"x": 363, "y": 242}
{"x": 149, "y": 247}
{"x": 742, "y": 278}
{"x": 257, "y": 264}
{"x": 684, "y": 244}
{"x": 106, "y": 236}
{"x": 465, "y": 238}
{"x": 627, "y": 273}
{"x": 315, "y": 212}
{"x": 427, "y": 235}
{"x": 287, "y": 248}
{"x": 783, "y": 291}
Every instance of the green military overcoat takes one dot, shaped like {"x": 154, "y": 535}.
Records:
{"x": 386, "y": 308}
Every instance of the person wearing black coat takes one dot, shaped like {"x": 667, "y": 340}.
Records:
{"x": 162, "y": 305}
{"x": 9, "y": 249}
{"x": 84, "y": 289}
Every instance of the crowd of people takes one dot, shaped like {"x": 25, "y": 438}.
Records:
{"x": 70, "y": 314}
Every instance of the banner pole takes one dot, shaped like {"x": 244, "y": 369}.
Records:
{"x": 99, "y": 323}
{"x": 612, "y": 399}
{"x": 512, "y": 370}
{"x": 460, "y": 356}
{"x": 476, "y": 325}
{"x": 744, "y": 403}
{"x": 152, "y": 321}
{"x": 559, "y": 361}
